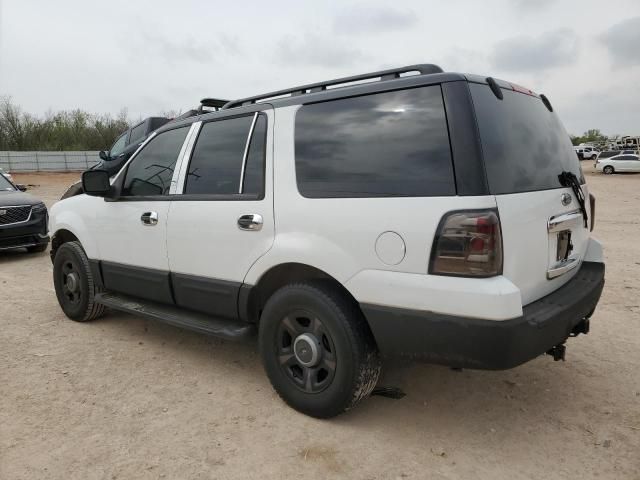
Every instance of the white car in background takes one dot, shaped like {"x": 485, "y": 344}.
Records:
{"x": 586, "y": 152}
{"x": 6, "y": 175}
{"x": 618, "y": 163}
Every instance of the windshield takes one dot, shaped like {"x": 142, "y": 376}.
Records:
{"x": 525, "y": 146}
{"x": 5, "y": 185}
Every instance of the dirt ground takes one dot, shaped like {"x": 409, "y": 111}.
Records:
{"x": 123, "y": 398}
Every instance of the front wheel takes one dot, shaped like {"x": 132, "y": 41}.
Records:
{"x": 317, "y": 349}
{"x": 608, "y": 170}
{"x": 74, "y": 283}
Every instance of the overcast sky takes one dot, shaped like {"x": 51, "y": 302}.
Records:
{"x": 155, "y": 56}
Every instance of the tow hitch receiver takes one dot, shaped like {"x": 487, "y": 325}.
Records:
{"x": 582, "y": 327}
{"x": 557, "y": 352}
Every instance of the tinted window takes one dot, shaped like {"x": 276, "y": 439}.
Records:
{"x": 118, "y": 145}
{"x": 216, "y": 162}
{"x": 5, "y": 184}
{"x": 525, "y": 146}
{"x": 137, "y": 133}
{"x": 254, "y": 171}
{"x": 387, "y": 144}
{"x": 150, "y": 172}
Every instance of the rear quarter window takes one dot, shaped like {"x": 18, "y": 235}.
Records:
{"x": 386, "y": 144}
{"x": 524, "y": 145}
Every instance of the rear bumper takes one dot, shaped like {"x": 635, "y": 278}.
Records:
{"x": 489, "y": 344}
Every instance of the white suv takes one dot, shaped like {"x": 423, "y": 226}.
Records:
{"x": 343, "y": 222}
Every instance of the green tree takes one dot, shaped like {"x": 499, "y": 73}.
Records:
{"x": 65, "y": 130}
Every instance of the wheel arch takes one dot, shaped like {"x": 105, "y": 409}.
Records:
{"x": 60, "y": 237}
{"x": 253, "y": 298}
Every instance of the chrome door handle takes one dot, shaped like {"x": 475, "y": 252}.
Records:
{"x": 149, "y": 218}
{"x": 251, "y": 221}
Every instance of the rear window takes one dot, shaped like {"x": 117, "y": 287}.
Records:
{"x": 525, "y": 146}
{"x": 386, "y": 144}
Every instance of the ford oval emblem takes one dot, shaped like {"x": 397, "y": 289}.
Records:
{"x": 566, "y": 199}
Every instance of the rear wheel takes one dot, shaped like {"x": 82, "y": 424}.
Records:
{"x": 608, "y": 170}
{"x": 317, "y": 349}
{"x": 74, "y": 283}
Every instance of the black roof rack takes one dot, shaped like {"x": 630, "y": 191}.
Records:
{"x": 422, "y": 69}
{"x": 216, "y": 103}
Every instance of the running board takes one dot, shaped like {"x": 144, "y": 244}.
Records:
{"x": 178, "y": 317}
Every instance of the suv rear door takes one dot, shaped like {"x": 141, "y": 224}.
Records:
{"x": 221, "y": 220}
{"x": 544, "y": 233}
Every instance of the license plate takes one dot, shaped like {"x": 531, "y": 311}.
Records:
{"x": 564, "y": 245}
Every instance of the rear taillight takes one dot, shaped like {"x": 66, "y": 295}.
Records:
{"x": 592, "y": 205}
{"x": 468, "y": 243}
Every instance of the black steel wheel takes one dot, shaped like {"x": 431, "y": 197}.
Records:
{"x": 74, "y": 284}
{"x": 317, "y": 349}
{"x": 306, "y": 351}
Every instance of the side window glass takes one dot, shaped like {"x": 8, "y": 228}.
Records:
{"x": 150, "y": 172}
{"x": 253, "y": 182}
{"x": 137, "y": 133}
{"x": 216, "y": 162}
{"x": 118, "y": 146}
{"x": 379, "y": 145}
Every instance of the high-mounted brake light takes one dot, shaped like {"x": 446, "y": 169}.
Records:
{"x": 468, "y": 243}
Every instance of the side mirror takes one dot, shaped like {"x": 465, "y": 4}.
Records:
{"x": 103, "y": 155}
{"x": 21, "y": 187}
{"x": 96, "y": 183}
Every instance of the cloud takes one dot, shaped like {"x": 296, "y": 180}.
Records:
{"x": 613, "y": 111}
{"x": 314, "y": 50}
{"x": 180, "y": 49}
{"x": 466, "y": 60}
{"x": 530, "y": 54}
{"x": 532, "y": 5}
{"x": 623, "y": 42}
{"x": 363, "y": 19}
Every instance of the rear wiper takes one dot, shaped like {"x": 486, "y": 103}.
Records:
{"x": 569, "y": 179}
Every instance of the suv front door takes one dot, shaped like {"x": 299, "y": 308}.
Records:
{"x": 221, "y": 219}
{"x": 131, "y": 230}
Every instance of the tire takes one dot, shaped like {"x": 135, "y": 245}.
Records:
{"x": 608, "y": 170}
{"x": 75, "y": 295}
{"x": 37, "y": 248}
{"x": 593, "y": 157}
{"x": 347, "y": 361}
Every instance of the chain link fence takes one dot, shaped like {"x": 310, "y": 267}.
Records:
{"x": 47, "y": 161}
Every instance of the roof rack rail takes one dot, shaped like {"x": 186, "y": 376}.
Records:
{"x": 383, "y": 75}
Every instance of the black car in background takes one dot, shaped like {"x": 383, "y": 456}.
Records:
{"x": 23, "y": 219}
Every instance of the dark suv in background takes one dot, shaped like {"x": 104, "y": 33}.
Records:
{"x": 121, "y": 150}
{"x": 127, "y": 143}
{"x": 23, "y": 219}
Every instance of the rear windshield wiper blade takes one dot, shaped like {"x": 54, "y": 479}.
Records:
{"x": 569, "y": 179}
